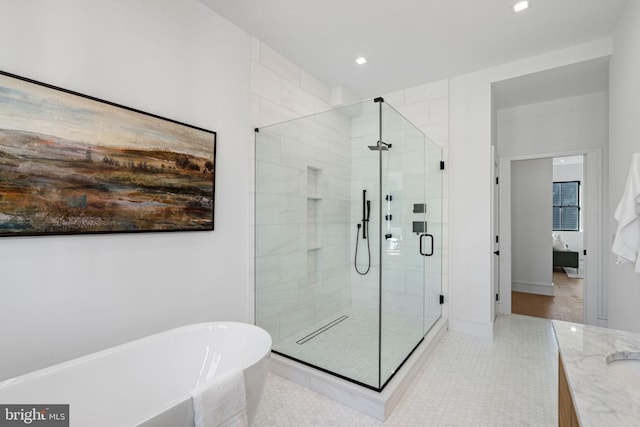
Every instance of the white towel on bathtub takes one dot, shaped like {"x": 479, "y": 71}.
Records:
{"x": 627, "y": 240}
{"x": 221, "y": 401}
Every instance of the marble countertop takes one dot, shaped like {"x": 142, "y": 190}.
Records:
{"x": 600, "y": 398}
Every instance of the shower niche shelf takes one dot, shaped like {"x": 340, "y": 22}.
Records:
{"x": 314, "y": 176}
{"x": 314, "y": 203}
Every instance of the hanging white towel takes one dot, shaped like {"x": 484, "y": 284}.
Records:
{"x": 221, "y": 401}
{"x": 627, "y": 241}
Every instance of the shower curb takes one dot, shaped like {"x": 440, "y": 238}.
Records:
{"x": 378, "y": 405}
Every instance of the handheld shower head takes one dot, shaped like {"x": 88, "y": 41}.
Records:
{"x": 368, "y": 209}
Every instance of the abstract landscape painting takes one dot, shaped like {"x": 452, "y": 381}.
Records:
{"x": 73, "y": 164}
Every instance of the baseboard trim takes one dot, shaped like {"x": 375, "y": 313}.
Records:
{"x": 537, "y": 288}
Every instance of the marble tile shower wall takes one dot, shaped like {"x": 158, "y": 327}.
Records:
{"x": 303, "y": 198}
{"x": 302, "y": 241}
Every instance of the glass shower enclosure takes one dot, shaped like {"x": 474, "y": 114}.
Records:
{"x": 348, "y": 239}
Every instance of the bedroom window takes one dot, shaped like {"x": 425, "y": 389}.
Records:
{"x": 566, "y": 206}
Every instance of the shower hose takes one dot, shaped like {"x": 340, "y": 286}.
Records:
{"x": 355, "y": 259}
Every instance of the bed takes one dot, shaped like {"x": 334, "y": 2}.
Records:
{"x": 562, "y": 255}
{"x": 566, "y": 258}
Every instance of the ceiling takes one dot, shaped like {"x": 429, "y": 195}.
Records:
{"x": 411, "y": 42}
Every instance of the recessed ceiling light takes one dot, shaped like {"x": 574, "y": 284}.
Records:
{"x": 520, "y": 6}
{"x": 361, "y": 60}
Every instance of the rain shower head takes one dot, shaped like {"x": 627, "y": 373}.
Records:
{"x": 382, "y": 146}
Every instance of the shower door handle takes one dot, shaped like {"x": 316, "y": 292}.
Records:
{"x": 422, "y": 252}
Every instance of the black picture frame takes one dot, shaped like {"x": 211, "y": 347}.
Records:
{"x": 75, "y": 164}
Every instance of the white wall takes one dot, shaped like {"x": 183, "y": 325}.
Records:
{"x": 293, "y": 288}
{"x": 62, "y": 297}
{"x": 470, "y": 201}
{"x": 569, "y": 171}
{"x": 563, "y": 125}
{"x": 624, "y": 84}
{"x": 531, "y": 224}
{"x": 280, "y": 90}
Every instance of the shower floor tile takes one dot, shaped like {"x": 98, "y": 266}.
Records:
{"x": 350, "y": 347}
{"x": 467, "y": 381}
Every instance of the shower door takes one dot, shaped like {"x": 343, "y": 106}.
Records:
{"x": 410, "y": 234}
{"x": 434, "y": 170}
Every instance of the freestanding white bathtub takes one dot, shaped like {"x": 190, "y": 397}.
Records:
{"x": 147, "y": 382}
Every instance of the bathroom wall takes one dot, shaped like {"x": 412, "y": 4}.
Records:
{"x": 624, "y": 81}
{"x": 66, "y": 296}
{"x": 562, "y": 125}
{"x": 471, "y": 290}
{"x": 303, "y": 170}
{"x": 531, "y": 224}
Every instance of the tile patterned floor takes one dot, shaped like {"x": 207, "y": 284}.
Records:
{"x": 467, "y": 381}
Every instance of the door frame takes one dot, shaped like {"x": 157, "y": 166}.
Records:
{"x": 594, "y": 287}
{"x": 495, "y": 232}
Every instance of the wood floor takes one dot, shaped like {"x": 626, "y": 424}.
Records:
{"x": 567, "y": 304}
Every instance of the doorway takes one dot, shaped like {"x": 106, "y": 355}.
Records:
{"x": 548, "y": 302}
{"x": 550, "y": 114}
{"x": 547, "y": 211}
